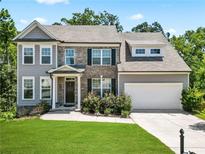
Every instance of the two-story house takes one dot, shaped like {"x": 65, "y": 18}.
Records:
{"x": 60, "y": 64}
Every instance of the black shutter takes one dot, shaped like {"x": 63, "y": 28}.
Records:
{"x": 89, "y": 85}
{"x": 89, "y": 56}
{"x": 113, "y": 82}
{"x": 113, "y": 56}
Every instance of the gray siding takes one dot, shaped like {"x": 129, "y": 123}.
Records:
{"x": 162, "y": 78}
{"x": 35, "y": 70}
{"x": 36, "y": 33}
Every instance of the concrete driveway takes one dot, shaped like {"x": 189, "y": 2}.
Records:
{"x": 165, "y": 125}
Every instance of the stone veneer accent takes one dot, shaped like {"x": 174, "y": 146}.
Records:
{"x": 90, "y": 71}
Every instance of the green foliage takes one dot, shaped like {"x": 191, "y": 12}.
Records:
{"x": 40, "y": 108}
{"x": 7, "y": 64}
{"x": 8, "y": 115}
{"x": 109, "y": 104}
{"x": 192, "y": 100}
{"x": 91, "y": 102}
{"x": 125, "y": 114}
{"x": 145, "y": 27}
{"x": 189, "y": 46}
{"x": 89, "y": 17}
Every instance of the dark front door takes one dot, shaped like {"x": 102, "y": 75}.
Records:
{"x": 70, "y": 92}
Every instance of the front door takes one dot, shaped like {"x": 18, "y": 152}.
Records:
{"x": 70, "y": 92}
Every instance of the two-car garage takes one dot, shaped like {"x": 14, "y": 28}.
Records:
{"x": 154, "y": 95}
{"x": 154, "y": 91}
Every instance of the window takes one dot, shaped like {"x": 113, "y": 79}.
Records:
{"x": 69, "y": 56}
{"x": 28, "y": 55}
{"x": 45, "y": 55}
{"x": 96, "y": 56}
{"x": 101, "y": 56}
{"x": 28, "y": 88}
{"x": 154, "y": 51}
{"x": 45, "y": 88}
{"x": 96, "y": 86}
{"x": 106, "y": 56}
{"x": 140, "y": 51}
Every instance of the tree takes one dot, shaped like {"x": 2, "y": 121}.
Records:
{"x": 8, "y": 62}
{"x": 89, "y": 17}
{"x": 145, "y": 27}
{"x": 190, "y": 47}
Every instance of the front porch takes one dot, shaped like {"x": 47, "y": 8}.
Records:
{"x": 66, "y": 87}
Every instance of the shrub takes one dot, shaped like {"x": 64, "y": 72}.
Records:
{"x": 192, "y": 100}
{"x": 125, "y": 114}
{"x": 92, "y": 102}
{"x": 107, "y": 111}
{"x": 109, "y": 104}
{"x": 40, "y": 108}
{"x": 7, "y": 115}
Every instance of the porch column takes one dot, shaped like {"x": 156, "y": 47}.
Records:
{"x": 79, "y": 92}
{"x": 54, "y": 93}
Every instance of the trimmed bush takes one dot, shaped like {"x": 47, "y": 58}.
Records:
{"x": 109, "y": 104}
{"x": 192, "y": 100}
{"x": 40, "y": 108}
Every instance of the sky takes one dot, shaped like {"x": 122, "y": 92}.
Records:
{"x": 175, "y": 16}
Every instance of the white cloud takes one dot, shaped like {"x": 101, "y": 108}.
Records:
{"x": 24, "y": 21}
{"x": 136, "y": 16}
{"x": 50, "y": 2}
{"x": 172, "y": 31}
{"x": 41, "y": 20}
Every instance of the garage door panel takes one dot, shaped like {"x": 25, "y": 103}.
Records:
{"x": 154, "y": 95}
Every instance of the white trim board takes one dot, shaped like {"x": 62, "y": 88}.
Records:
{"x": 151, "y": 73}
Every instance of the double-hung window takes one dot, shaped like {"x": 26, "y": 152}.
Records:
{"x": 28, "y": 88}
{"x": 140, "y": 51}
{"x": 28, "y": 55}
{"x": 45, "y": 88}
{"x": 46, "y": 55}
{"x": 100, "y": 86}
{"x": 101, "y": 56}
{"x": 155, "y": 51}
{"x": 69, "y": 56}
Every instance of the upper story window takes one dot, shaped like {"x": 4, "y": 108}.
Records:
{"x": 28, "y": 55}
{"x": 46, "y": 55}
{"x": 155, "y": 51}
{"x": 28, "y": 88}
{"x": 45, "y": 88}
{"x": 140, "y": 51}
{"x": 69, "y": 56}
{"x": 101, "y": 56}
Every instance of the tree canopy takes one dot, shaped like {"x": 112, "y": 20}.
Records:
{"x": 89, "y": 17}
{"x": 190, "y": 46}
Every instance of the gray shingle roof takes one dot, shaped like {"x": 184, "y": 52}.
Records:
{"x": 171, "y": 60}
{"x": 82, "y": 33}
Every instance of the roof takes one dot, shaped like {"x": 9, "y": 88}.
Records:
{"x": 171, "y": 61}
{"x": 70, "y": 33}
{"x": 82, "y": 33}
{"x": 68, "y": 69}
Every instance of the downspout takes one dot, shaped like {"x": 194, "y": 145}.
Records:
{"x": 51, "y": 103}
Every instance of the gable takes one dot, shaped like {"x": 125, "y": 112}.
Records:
{"x": 36, "y": 33}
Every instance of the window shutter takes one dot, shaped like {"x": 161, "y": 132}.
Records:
{"x": 113, "y": 82}
{"x": 89, "y": 85}
{"x": 89, "y": 56}
{"x": 113, "y": 56}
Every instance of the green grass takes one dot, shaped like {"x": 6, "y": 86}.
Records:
{"x": 52, "y": 137}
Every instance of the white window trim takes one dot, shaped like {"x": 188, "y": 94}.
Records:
{"x": 51, "y": 56}
{"x": 28, "y": 46}
{"x": 147, "y": 52}
{"x": 101, "y": 85}
{"x": 69, "y": 56}
{"x": 28, "y": 77}
{"x": 45, "y": 77}
{"x": 101, "y": 57}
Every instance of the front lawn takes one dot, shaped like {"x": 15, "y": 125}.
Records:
{"x": 52, "y": 137}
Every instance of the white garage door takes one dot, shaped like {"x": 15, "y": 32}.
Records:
{"x": 154, "y": 95}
